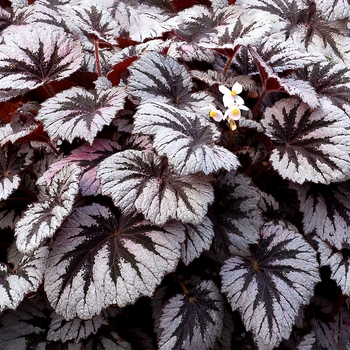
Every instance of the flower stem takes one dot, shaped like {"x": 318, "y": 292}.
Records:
{"x": 230, "y": 139}
{"x": 97, "y": 58}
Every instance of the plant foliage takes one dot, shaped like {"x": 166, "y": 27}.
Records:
{"x": 174, "y": 174}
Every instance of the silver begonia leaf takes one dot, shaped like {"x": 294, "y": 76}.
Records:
{"x": 26, "y": 277}
{"x": 154, "y": 75}
{"x": 188, "y": 141}
{"x": 87, "y": 157}
{"x": 143, "y": 181}
{"x": 198, "y": 239}
{"x": 43, "y": 218}
{"x": 326, "y": 212}
{"x": 76, "y": 329}
{"x": 192, "y": 321}
{"x": 33, "y": 55}
{"x": 310, "y": 145}
{"x": 80, "y": 113}
{"x": 337, "y": 262}
{"x": 97, "y": 260}
{"x": 236, "y": 216}
{"x": 270, "y": 285}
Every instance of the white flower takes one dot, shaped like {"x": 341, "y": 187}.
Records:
{"x": 234, "y": 111}
{"x": 214, "y": 113}
{"x": 231, "y": 96}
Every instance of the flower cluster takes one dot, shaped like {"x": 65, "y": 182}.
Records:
{"x": 233, "y": 102}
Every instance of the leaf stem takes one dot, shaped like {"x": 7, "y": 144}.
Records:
{"x": 227, "y": 65}
{"x": 255, "y": 110}
{"x": 49, "y": 89}
{"x": 183, "y": 287}
{"x": 97, "y": 58}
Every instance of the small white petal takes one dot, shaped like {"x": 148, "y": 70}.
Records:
{"x": 224, "y": 90}
{"x": 237, "y": 87}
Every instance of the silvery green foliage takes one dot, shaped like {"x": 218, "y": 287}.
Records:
{"x": 42, "y": 219}
{"x": 192, "y": 320}
{"x": 76, "y": 329}
{"x": 87, "y": 157}
{"x": 236, "y": 216}
{"x": 149, "y": 185}
{"x": 188, "y": 142}
{"x": 311, "y": 145}
{"x": 127, "y": 259}
{"x": 78, "y": 113}
{"x": 198, "y": 238}
{"x": 326, "y": 212}
{"x": 11, "y": 163}
{"x": 175, "y": 85}
{"x": 37, "y": 56}
{"x": 137, "y": 212}
{"x": 265, "y": 282}
{"x": 26, "y": 276}
{"x": 337, "y": 262}
{"x": 333, "y": 333}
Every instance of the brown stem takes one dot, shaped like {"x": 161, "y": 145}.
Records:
{"x": 53, "y": 148}
{"x": 230, "y": 139}
{"x": 256, "y": 108}
{"x": 183, "y": 287}
{"x": 49, "y": 90}
{"x": 227, "y": 65}
{"x": 97, "y": 58}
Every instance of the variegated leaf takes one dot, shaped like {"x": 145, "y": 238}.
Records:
{"x": 282, "y": 55}
{"x": 140, "y": 21}
{"x": 270, "y": 285}
{"x": 272, "y": 82}
{"x": 107, "y": 341}
{"x": 236, "y": 216}
{"x": 326, "y": 212}
{"x": 188, "y": 142}
{"x": 80, "y": 113}
{"x": 26, "y": 277}
{"x": 26, "y": 327}
{"x": 22, "y": 123}
{"x": 200, "y": 23}
{"x": 10, "y": 213}
{"x": 224, "y": 341}
{"x": 97, "y": 260}
{"x": 76, "y": 329}
{"x": 338, "y": 262}
{"x": 193, "y": 320}
{"x": 310, "y": 145}
{"x": 213, "y": 77}
{"x": 155, "y": 75}
{"x": 198, "y": 239}
{"x": 42, "y": 219}
{"x": 331, "y": 80}
{"x": 87, "y": 157}
{"x": 182, "y": 50}
{"x": 11, "y": 164}
{"x": 143, "y": 181}
{"x": 34, "y": 55}
{"x": 332, "y": 332}
{"x": 92, "y": 22}
{"x": 241, "y": 29}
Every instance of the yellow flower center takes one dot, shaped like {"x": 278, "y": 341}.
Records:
{"x": 233, "y": 93}
{"x": 212, "y": 114}
{"x": 235, "y": 111}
